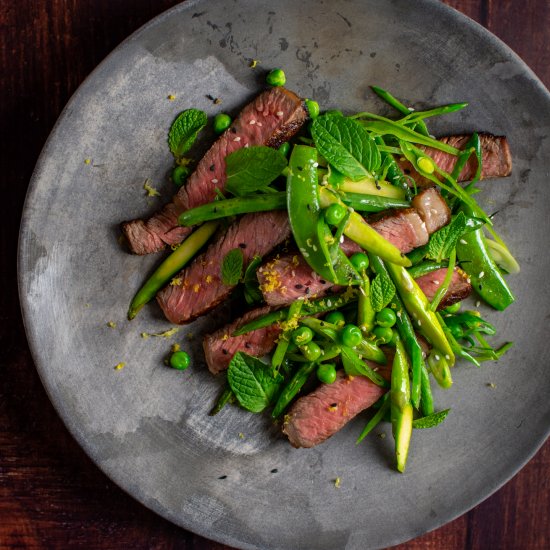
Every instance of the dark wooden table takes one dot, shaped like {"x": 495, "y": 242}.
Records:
{"x": 51, "y": 494}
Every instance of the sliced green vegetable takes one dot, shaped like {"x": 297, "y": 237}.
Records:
{"x": 376, "y": 419}
{"x": 431, "y": 421}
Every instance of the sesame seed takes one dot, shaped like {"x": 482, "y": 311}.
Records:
{"x": 342, "y": 238}
{"x": 237, "y": 139}
{"x": 315, "y": 164}
{"x": 435, "y": 281}
{"x": 481, "y": 274}
{"x": 463, "y": 241}
{"x": 214, "y": 180}
{"x": 419, "y": 322}
{"x": 437, "y": 358}
{"x": 259, "y": 124}
{"x": 280, "y": 113}
{"x": 252, "y": 122}
{"x": 448, "y": 357}
{"x": 468, "y": 280}
{"x": 478, "y": 303}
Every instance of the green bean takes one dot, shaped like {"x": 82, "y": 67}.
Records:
{"x": 227, "y": 396}
{"x": 397, "y": 105}
{"x": 424, "y": 268}
{"x": 401, "y": 408}
{"x": 416, "y": 116}
{"x": 418, "y": 254}
{"x": 233, "y": 207}
{"x": 372, "y": 203}
{"x": 284, "y": 339}
{"x": 171, "y": 265}
{"x": 375, "y": 420}
{"x": 439, "y": 367}
{"x": 309, "y": 307}
{"x": 444, "y": 286}
{"x": 293, "y": 387}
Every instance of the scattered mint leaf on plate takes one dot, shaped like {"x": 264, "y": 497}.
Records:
{"x": 184, "y": 131}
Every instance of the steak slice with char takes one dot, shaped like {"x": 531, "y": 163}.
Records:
{"x": 315, "y": 417}
{"x": 271, "y": 119}
{"x": 220, "y": 346}
{"x": 495, "y": 154}
{"x": 201, "y": 286}
{"x": 288, "y": 277}
{"x": 459, "y": 289}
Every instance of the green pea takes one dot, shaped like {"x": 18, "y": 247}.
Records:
{"x": 221, "y": 123}
{"x": 359, "y": 261}
{"x": 180, "y": 174}
{"x": 335, "y": 213}
{"x": 302, "y": 335}
{"x": 284, "y": 148}
{"x": 326, "y": 373}
{"x": 386, "y": 317}
{"x": 180, "y": 360}
{"x": 276, "y": 77}
{"x": 384, "y": 335}
{"x": 351, "y": 335}
{"x": 335, "y": 318}
{"x": 312, "y": 108}
{"x": 454, "y": 308}
{"x": 311, "y": 351}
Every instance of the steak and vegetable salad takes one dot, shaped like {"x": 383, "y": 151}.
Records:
{"x": 351, "y": 239}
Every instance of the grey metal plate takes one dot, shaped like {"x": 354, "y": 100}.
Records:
{"x": 146, "y": 426}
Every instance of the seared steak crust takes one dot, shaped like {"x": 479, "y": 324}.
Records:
{"x": 315, "y": 417}
{"x": 201, "y": 287}
{"x": 220, "y": 346}
{"x": 459, "y": 289}
{"x": 271, "y": 119}
{"x": 495, "y": 152}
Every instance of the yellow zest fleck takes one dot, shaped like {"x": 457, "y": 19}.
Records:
{"x": 87, "y": 305}
{"x": 253, "y": 63}
{"x": 176, "y": 281}
{"x": 175, "y": 347}
{"x": 151, "y": 191}
{"x": 171, "y": 97}
{"x": 166, "y": 334}
{"x": 350, "y": 377}
{"x": 120, "y": 366}
{"x": 87, "y": 161}
{"x": 174, "y": 247}
{"x": 332, "y": 408}
{"x": 491, "y": 385}
{"x": 217, "y": 101}
{"x": 241, "y": 435}
{"x": 337, "y": 483}
{"x": 209, "y": 279}
{"x": 196, "y": 287}
{"x": 190, "y": 336}
{"x": 121, "y": 239}
{"x": 225, "y": 337}
{"x": 382, "y": 435}
{"x": 272, "y": 278}
{"x": 111, "y": 324}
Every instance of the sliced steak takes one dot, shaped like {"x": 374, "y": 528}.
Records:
{"x": 220, "y": 346}
{"x": 404, "y": 228}
{"x": 432, "y": 208}
{"x": 315, "y": 417}
{"x": 201, "y": 286}
{"x": 459, "y": 289}
{"x": 272, "y": 118}
{"x": 496, "y": 158}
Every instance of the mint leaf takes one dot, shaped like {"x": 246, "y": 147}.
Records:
{"x": 382, "y": 290}
{"x": 252, "y": 169}
{"x": 184, "y": 131}
{"x": 252, "y": 381}
{"x": 431, "y": 420}
{"x": 232, "y": 267}
{"x": 346, "y": 145}
{"x": 445, "y": 239}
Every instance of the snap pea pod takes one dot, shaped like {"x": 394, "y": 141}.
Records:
{"x": 375, "y": 420}
{"x": 401, "y": 409}
{"x": 309, "y": 307}
{"x": 485, "y": 276}
{"x": 359, "y": 231}
{"x": 355, "y": 366}
{"x": 232, "y": 207}
{"x": 421, "y": 393}
{"x": 292, "y": 388}
{"x": 372, "y": 203}
{"x": 172, "y": 265}
{"x": 398, "y": 106}
{"x": 418, "y": 307}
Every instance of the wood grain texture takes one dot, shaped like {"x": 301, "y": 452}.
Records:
{"x": 51, "y": 494}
